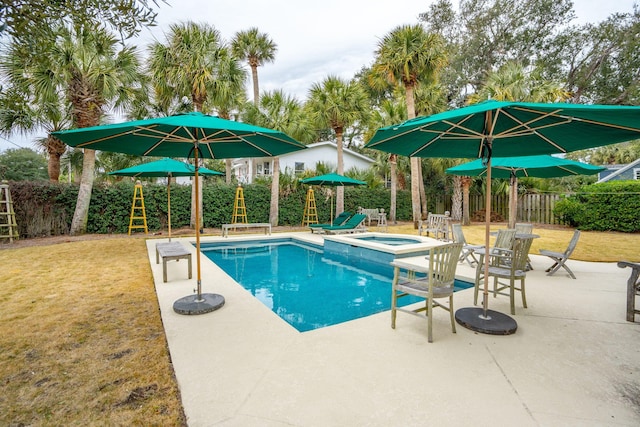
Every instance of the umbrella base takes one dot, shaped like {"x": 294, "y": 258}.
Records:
{"x": 191, "y": 304}
{"x": 495, "y": 323}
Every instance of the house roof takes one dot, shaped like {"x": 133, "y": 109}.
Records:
{"x": 620, "y": 171}
{"x": 321, "y": 144}
{"x": 334, "y": 145}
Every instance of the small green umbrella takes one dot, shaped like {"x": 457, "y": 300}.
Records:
{"x": 507, "y": 129}
{"x": 332, "y": 180}
{"x": 542, "y": 166}
{"x": 164, "y": 168}
{"x": 185, "y": 135}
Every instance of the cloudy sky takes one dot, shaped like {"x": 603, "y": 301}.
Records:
{"x": 314, "y": 39}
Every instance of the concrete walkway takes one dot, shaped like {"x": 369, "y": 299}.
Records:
{"x": 574, "y": 360}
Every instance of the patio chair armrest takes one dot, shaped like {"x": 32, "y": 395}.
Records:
{"x": 411, "y": 267}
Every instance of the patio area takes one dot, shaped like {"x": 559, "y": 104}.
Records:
{"x": 574, "y": 360}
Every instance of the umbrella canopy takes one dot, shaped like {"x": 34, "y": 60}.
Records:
{"x": 542, "y": 166}
{"x": 164, "y": 168}
{"x": 332, "y": 180}
{"x": 185, "y": 135}
{"x": 175, "y": 136}
{"x": 507, "y": 129}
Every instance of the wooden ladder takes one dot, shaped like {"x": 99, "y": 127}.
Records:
{"x": 239, "y": 209}
{"x": 138, "y": 211}
{"x": 8, "y": 226}
{"x": 310, "y": 215}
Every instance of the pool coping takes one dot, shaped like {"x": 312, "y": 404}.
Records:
{"x": 569, "y": 363}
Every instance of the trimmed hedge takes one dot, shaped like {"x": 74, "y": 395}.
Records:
{"x": 46, "y": 209}
{"x": 609, "y": 206}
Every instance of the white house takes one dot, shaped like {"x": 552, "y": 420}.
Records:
{"x": 301, "y": 160}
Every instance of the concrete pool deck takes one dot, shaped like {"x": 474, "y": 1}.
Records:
{"x": 574, "y": 361}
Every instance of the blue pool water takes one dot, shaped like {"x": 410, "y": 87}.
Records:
{"x": 304, "y": 286}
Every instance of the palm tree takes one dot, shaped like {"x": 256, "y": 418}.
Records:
{"x": 408, "y": 55}
{"x": 89, "y": 70}
{"x": 190, "y": 64}
{"x": 389, "y": 113}
{"x": 512, "y": 82}
{"x": 257, "y": 48}
{"x": 18, "y": 112}
{"x": 337, "y": 104}
{"x": 278, "y": 111}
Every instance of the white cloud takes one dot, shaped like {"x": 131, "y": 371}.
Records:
{"x": 315, "y": 39}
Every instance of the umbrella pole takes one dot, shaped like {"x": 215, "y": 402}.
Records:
{"x": 169, "y": 203}
{"x": 200, "y": 303}
{"x": 487, "y": 227}
{"x": 331, "y": 212}
{"x": 482, "y": 319}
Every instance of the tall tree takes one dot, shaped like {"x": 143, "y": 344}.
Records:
{"x": 408, "y": 55}
{"x": 92, "y": 72}
{"x": 389, "y": 113}
{"x": 278, "y": 111}
{"x": 190, "y": 64}
{"x": 257, "y": 48}
{"x": 484, "y": 34}
{"x": 337, "y": 104}
{"x": 34, "y": 20}
{"x": 20, "y": 113}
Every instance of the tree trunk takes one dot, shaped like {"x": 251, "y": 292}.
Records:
{"x": 228, "y": 163}
{"x": 393, "y": 161}
{"x": 423, "y": 194}
{"x": 513, "y": 201}
{"x": 55, "y": 149}
{"x": 256, "y": 90}
{"x": 275, "y": 193}
{"x": 415, "y": 162}
{"x": 81, "y": 214}
{"x": 456, "y": 208}
{"x": 466, "y": 183}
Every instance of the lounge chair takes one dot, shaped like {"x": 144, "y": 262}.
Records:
{"x": 438, "y": 283}
{"x": 339, "y": 220}
{"x": 467, "y": 250}
{"x": 352, "y": 225}
{"x": 560, "y": 258}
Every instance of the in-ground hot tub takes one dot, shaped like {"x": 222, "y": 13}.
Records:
{"x": 379, "y": 248}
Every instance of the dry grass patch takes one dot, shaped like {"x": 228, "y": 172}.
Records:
{"x": 82, "y": 337}
{"x": 593, "y": 246}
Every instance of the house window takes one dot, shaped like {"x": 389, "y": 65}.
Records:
{"x": 267, "y": 168}
{"x": 299, "y": 168}
{"x": 259, "y": 169}
{"x": 636, "y": 173}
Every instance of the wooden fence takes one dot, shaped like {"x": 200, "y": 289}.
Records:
{"x": 536, "y": 208}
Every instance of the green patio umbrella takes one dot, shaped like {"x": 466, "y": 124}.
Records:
{"x": 506, "y": 129}
{"x": 332, "y": 180}
{"x": 168, "y": 168}
{"x": 542, "y": 166}
{"x": 194, "y": 135}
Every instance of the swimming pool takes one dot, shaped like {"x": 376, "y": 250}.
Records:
{"x": 302, "y": 284}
